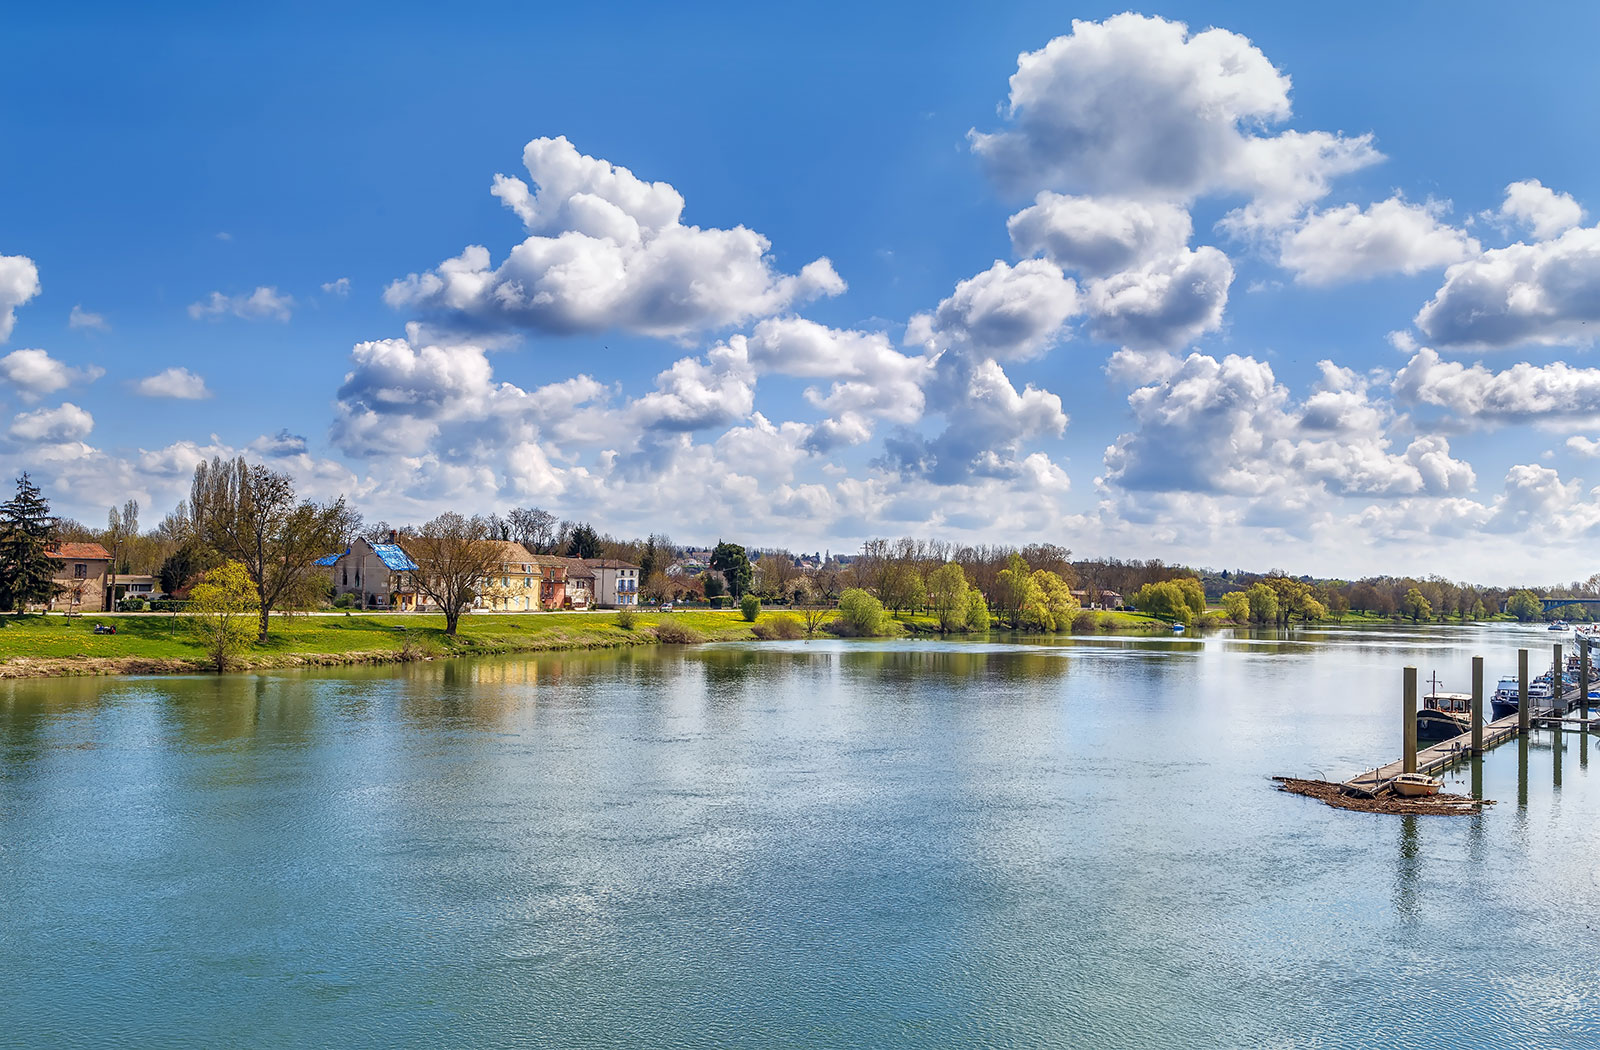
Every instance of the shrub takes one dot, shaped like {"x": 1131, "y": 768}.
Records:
{"x": 779, "y": 628}
{"x": 676, "y": 632}
{"x": 133, "y": 605}
{"x": 626, "y": 618}
{"x": 750, "y": 607}
{"x": 1085, "y": 621}
{"x": 344, "y": 601}
{"x": 860, "y": 615}
{"x": 414, "y": 647}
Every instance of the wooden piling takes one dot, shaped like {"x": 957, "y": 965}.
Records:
{"x": 1583, "y": 675}
{"x": 1522, "y": 691}
{"x": 1408, "y": 735}
{"x": 1558, "y": 683}
{"x": 1477, "y": 705}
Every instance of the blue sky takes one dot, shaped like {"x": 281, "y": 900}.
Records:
{"x": 1308, "y": 291}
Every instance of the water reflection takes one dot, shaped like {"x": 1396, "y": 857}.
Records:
{"x": 1408, "y": 870}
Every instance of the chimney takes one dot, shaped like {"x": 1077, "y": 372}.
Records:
{"x": 394, "y": 535}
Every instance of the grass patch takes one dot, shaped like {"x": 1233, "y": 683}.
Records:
{"x": 56, "y": 644}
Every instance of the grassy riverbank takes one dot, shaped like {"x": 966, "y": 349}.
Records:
{"x": 33, "y": 646}
{"x": 46, "y": 646}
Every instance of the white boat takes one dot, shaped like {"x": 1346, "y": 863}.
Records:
{"x": 1416, "y": 785}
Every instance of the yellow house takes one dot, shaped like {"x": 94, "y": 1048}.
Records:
{"x": 512, "y": 585}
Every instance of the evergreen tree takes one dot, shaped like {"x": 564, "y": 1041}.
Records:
{"x": 731, "y": 560}
{"x": 27, "y": 573}
{"x": 585, "y": 542}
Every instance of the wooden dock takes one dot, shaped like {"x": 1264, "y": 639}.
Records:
{"x": 1447, "y": 753}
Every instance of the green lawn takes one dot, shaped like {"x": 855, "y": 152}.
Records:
{"x": 158, "y": 637}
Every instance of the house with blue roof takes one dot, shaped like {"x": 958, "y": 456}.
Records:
{"x": 380, "y": 575}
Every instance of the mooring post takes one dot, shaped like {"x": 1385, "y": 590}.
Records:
{"x": 1522, "y": 771}
{"x": 1408, "y": 737}
{"x": 1522, "y": 691}
{"x": 1558, "y": 683}
{"x": 1477, "y": 705}
{"x": 1583, "y": 675}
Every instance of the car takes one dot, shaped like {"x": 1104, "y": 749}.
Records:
{"x": 666, "y": 606}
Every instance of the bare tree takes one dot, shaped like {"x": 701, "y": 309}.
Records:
{"x": 247, "y": 513}
{"x": 532, "y": 527}
{"x": 454, "y": 555}
{"x": 120, "y": 527}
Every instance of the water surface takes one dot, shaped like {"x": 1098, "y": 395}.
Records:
{"x": 823, "y": 844}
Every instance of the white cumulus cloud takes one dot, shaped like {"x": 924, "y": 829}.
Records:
{"x": 19, "y": 282}
{"x": 1097, "y": 236}
{"x": 178, "y": 383}
{"x": 1136, "y": 106}
{"x": 1525, "y": 392}
{"x": 35, "y": 373}
{"x": 1540, "y": 210}
{"x": 64, "y": 423}
{"x": 1163, "y": 304}
{"x": 1351, "y": 243}
{"x": 1544, "y": 293}
{"x": 1007, "y": 312}
{"x": 608, "y": 250}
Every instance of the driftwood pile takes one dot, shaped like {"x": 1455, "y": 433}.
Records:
{"x": 1337, "y": 796}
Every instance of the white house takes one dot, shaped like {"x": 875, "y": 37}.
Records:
{"x": 616, "y": 583}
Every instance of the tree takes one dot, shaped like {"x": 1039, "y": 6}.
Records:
{"x": 1263, "y": 603}
{"x": 1050, "y": 605}
{"x": 181, "y": 566}
{"x": 27, "y": 572}
{"x": 532, "y": 527}
{"x": 977, "y": 610}
{"x": 221, "y": 610}
{"x": 731, "y": 560}
{"x": 248, "y": 513}
{"x": 454, "y": 557}
{"x": 947, "y": 597}
{"x": 1416, "y": 606}
{"x": 901, "y": 587}
{"x": 713, "y": 583}
{"x": 1236, "y": 606}
{"x": 750, "y": 607}
{"x": 1166, "y": 600}
{"x": 120, "y": 527}
{"x": 1525, "y": 606}
{"x": 860, "y": 614}
{"x": 584, "y": 542}
{"x": 1012, "y": 587}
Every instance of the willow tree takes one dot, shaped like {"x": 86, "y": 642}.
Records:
{"x": 248, "y": 513}
{"x": 454, "y": 559}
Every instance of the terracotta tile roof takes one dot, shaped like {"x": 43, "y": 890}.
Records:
{"x": 80, "y": 551}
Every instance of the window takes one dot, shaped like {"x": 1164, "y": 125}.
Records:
{"x": 80, "y": 571}
{"x": 344, "y": 576}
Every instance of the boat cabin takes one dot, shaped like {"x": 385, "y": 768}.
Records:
{"x": 1449, "y": 703}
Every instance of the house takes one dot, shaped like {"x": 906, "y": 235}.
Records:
{"x": 553, "y": 580}
{"x": 80, "y": 576}
{"x": 378, "y": 574}
{"x": 616, "y": 583}
{"x": 580, "y": 584}
{"x": 513, "y": 582}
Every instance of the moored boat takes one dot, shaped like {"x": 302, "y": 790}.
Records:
{"x": 1506, "y": 699}
{"x": 1444, "y": 716}
{"x": 1416, "y": 785}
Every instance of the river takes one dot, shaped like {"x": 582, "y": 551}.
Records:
{"x": 1072, "y": 843}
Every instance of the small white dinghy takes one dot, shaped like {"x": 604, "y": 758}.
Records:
{"x": 1416, "y": 785}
